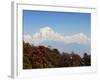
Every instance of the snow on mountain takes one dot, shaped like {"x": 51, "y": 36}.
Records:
{"x": 48, "y": 34}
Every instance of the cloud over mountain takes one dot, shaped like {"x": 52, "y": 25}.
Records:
{"x": 46, "y": 33}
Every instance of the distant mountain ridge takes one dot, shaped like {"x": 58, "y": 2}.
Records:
{"x": 73, "y": 47}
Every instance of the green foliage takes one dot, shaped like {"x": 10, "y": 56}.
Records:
{"x": 87, "y": 59}
{"x": 26, "y": 60}
{"x": 27, "y": 66}
{"x": 26, "y": 63}
{"x": 48, "y": 65}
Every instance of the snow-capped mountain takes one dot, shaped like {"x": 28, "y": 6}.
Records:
{"x": 48, "y": 34}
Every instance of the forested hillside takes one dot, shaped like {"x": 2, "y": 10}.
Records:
{"x": 46, "y": 57}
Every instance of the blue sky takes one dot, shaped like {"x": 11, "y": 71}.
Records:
{"x": 66, "y": 23}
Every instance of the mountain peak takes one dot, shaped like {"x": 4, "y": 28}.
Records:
{"x": 47, "y": 28}
{"x": 46, "y": 31}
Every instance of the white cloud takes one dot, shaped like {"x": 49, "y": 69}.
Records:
{"x": 47, "y": 33}
{"x": 28, "y": 38}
